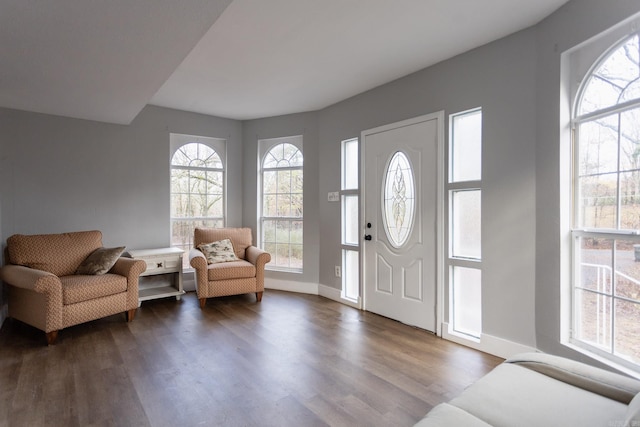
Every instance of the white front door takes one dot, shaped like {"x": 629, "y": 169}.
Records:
{"x": 401, "y": 166}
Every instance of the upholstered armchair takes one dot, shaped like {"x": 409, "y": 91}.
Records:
{"x": 60, "y": 280}
{"x": 218, "y": 275}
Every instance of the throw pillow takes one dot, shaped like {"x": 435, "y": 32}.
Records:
{"x": 100, "y": 261}
{"x": 220, "y": 251}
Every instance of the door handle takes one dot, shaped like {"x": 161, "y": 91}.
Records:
{"x": 367, "y": 237}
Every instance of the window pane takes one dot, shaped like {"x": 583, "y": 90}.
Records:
{"x": 270, "y": 182}
{"x": 350, "y": 165}
{"x": 351, "y": 274}
{"x": 628, "y": 270}
{"x": 627, "y": 330}
{"x": 296, "y": 205}
{"x": 283, "y": 231}
{"x": 399, "y": 199}
{"x": 214, "y": 182}
{"x": 465, "y": 224}
{"x": 283, "y": 156}
{"x": 179, "y": 181}
{"x": 269, "y": 206}
{"x": 596, "y": 261}
{"x": 283, "y": 202}
{"x": 598, "y": 146}
{"x": 179, "y": 205}
{"x": 466, "y": 147}
{"x": 467, "y": 300}
{"x": 593, "y": 318}
{"x": 268, "y": 232}
{"x": 296, "y": 181}
{"x": 196, "y": 155}
{"x": 350, "y": 231}
{"x": 215, "y": 207}
{"x": 612, "y": 82}
{"x": 630, "y": 201}
{"x": 598, "y": 201}
{"x": 284, "y": 182}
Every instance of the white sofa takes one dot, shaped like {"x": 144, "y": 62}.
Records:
{"x": 536, "y": 389}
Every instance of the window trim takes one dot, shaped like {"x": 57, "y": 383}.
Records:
{"x": 219, "y": 146}
{"x": 576, "y": 231}
{"x": 346, "y": 192}
{"x": 451, "y": 261}
{"x": 264, "y": 147}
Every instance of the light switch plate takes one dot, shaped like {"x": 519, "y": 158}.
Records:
{"x": 333, "y": 196}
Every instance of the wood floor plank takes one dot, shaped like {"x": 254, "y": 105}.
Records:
{"x": 290, "y": 360}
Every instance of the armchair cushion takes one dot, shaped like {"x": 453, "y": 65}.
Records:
{"x": 231, "y": 270}
{"x": 78, "y": 288}
{"x": 218, "y": 251}
{"x": 100, "y": 261}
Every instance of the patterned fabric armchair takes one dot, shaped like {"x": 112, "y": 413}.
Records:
{"x": 45, "y": 291}
{"x": 228, "y": 278}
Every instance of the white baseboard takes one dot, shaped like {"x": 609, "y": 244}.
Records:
{"x": 291, "y": 286}
{"x": 336, "y": 295}
{"x": 488, "y": 344}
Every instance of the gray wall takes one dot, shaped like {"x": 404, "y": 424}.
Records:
{"x": 573, "y": 24}
{"x": 305, "y": 124}
{"x": 500, "y": 78}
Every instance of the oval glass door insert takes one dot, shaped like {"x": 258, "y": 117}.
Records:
{"x": 398, "y": 199}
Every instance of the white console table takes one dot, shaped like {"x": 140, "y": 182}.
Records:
{"x": 163, "y": 277}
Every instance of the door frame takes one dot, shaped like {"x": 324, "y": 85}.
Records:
{"x": 440, "y": 211}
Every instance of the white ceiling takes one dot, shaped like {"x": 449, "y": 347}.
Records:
{"x": 105, "y": 60}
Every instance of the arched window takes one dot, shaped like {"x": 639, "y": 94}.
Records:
{"x": 606, "y": 206}
{"x": 281, "y": 207}
{"x": 197, "y": 188}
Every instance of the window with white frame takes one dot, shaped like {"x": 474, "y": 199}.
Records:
{"x": 606, "y": 207}
{"x": 464, "y": 190}
{"x": 350, "y": 202}
{"x": 197, "y": 187}
{"x": 281, "y": 202}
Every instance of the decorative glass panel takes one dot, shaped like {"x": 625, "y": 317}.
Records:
{"x": 195, "y": 154}
{"x": 283, "y": 156}
{"x": 398, "y": 199}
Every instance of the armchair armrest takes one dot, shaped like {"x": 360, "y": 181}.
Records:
{"x": 129, "y": 267}
{"x": 197, "y": 259}
{"x": 31, "y": 279}
{"x": 257, "y": 257}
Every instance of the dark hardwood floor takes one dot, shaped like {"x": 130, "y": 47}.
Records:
{"x": 291, "y": 360}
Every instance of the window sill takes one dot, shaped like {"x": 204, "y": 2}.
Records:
{"x": 284, "y": 270}
{"x": 635, "y": 373}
